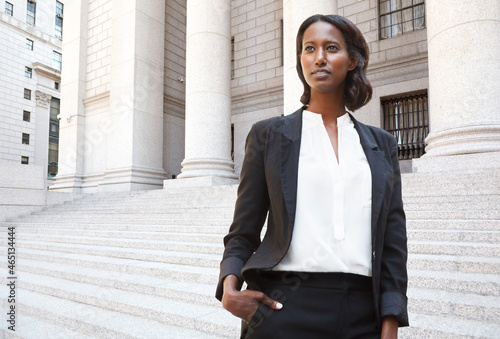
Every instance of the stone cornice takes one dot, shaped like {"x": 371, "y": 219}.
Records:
{"x": 47, "y": 71}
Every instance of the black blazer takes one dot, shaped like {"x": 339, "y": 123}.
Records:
{"x": 269, "y": 184}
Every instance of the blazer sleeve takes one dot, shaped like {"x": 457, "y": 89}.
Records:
{"x": 250, "y": 212}
{"x": 394, "y": 276}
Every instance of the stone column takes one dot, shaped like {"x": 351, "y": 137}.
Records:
{"x": 294, "y": 13}
{"x": 42, "y": 131}
{"x": 72, "y": 123}
{"x": 135, "y": 146}
{"x": 208, "y": 93}
{"x": 464, "y": 68}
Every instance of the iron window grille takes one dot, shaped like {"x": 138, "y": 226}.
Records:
{"x": 398, "y": 17}
{"x": 407, "y": 118}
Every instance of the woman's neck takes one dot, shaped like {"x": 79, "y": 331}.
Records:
{"x": 330, "y": 106}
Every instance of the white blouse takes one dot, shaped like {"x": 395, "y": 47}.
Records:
{"x": 332, "y": 231}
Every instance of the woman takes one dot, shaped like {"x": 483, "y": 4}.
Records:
{"x": 332, "y": 263}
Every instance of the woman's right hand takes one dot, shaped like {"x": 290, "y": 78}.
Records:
{"x": 243, "y": 304}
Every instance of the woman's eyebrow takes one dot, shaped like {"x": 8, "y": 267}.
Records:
{"x": 327, "y": 42}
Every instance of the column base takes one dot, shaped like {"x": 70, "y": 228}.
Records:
{"x": 68, "y": 183}
{"x": 199, "y": 182}
{"x": 452, "y": 163}
{"x": 207, "y": 167}
{"x": 464, "y": 140}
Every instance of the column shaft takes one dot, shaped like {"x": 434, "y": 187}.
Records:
{"x": 72, "y": 123}
{"x": 208, "y": 90}
{"x": 294, "y": 13}
{"x": 464, "y": 68}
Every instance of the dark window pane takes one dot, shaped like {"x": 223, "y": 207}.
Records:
{"x": 26, "y": 116}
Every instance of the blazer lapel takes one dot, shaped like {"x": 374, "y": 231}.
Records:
{"x": 377, "y": 162}
{"x": 289, "y": 161}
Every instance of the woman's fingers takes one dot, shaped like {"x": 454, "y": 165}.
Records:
{"x": 276, "y": 305}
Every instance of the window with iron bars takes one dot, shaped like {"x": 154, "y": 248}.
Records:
{"x": 400, "y": 16}
{"x": 407, "y": 118}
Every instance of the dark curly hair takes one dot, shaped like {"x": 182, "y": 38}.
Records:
{"x": 357, "y": 90}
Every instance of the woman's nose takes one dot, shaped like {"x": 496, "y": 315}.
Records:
{"x": 320, "y": 57}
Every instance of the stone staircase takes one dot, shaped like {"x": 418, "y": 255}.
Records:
{"x": 145, "y": 264}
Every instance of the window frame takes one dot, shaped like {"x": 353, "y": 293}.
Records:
{"x": 401, "y": 24}
{"x": 9, "y": 11}
{"x": 25, "y": 160}
{"x": 31, "y": 12}
{"x": 57, "y": 62}
{"x": 28, "y": 72}
{"x": 29, "y": 44}
{"x": 26, "y": 139}
{"x": 26, "y": 116}
{"x": 27, "y": 94}
{"x": 59, "y": 20}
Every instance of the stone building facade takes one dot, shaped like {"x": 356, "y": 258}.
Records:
{"x": 161, "y": 89}
{"x": 30, "y": 76}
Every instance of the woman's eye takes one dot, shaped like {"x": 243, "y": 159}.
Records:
{"x": 332, "y": 48}
{"x": 308, "y": 48}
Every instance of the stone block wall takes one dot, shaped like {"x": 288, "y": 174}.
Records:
{"x": 99, "y": 48}
{"x": 15, "y": 56}
{"x": 397, "y": 65}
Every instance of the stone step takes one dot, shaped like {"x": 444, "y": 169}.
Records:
{"x": 188, "y": 316}
{"x": 165, "y": 245}
{"x": 440, "y": 224}
{"x": 464, "y": 305}
{"x": 136, "y": 216}
{"x": 156, "y": 221}
{"x": 425, "y": 326}
{"x": 156, "y": 286}
{"x": 120, "y": 320}
{"x": 447, "y": 206}
{"x": 43, "y": 233}
{"x": 132, "y": 227}
{"x": 33, "y": 327}
{"x": 409, "y": 199}
{"x": 454, "y": 263}
{"x": 454, "y": 248}
{"x": 472, "y": 283}
{"x": 452, "y": 214}
{"x": 182, "y": 273}
{"x": 491, "y": 237}
{"x": 137, "y": 209}
{"x": 171, "y": 257}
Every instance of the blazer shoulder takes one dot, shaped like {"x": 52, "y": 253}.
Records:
{"x": 377, "y": 132}
{"x": 277, "y": 123}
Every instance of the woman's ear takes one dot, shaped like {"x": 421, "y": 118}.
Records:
{"x": 353, "y": 62}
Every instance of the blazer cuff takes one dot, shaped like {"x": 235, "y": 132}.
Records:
{"x": 394, "y": 303}
{"x": 231, "y": 265}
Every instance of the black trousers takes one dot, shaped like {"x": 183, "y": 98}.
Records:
{"x": 315, "y": 306}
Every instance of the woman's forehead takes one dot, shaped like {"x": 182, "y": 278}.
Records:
{"x": 322, "y": 30}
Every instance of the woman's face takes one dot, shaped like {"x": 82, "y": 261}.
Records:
{"x": 325, "y": 58}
